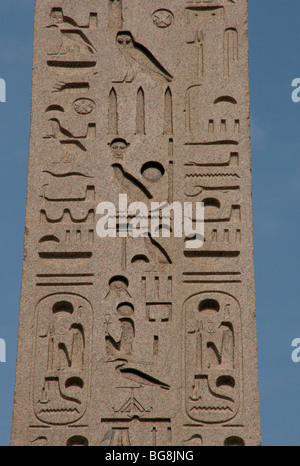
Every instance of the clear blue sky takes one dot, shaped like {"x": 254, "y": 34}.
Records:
{"x": 274, "y": 62}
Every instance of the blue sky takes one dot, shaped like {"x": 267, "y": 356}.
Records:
{"x": 274, "y": 36}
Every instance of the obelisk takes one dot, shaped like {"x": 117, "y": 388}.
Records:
{"x": 145, "y": 339}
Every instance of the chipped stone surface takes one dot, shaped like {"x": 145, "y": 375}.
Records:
{"x": 140, "y": 341}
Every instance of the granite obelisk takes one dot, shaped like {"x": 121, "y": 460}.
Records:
{"x": 145, "y": 340}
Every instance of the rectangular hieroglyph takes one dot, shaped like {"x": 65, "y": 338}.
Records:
{"x": 138, "y": 341}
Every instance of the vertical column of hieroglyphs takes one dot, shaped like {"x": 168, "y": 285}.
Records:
{"x": 138, "y": 341}
{"x": 221, "y": 395}
{"x": 136, "y": 370}
{"x": 56, "y": 319}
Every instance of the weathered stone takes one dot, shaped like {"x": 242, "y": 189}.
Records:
{"x": 138, "y": 341}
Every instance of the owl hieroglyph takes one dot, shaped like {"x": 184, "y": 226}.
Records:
{"x": 139, "y": 59}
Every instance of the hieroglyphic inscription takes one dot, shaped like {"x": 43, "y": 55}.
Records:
{"x": 138, "y": 339}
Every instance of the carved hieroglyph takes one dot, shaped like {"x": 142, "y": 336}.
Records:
{"x": 138, "y": 341}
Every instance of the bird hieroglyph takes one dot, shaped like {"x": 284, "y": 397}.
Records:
{"x": 139, "y": 59}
